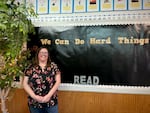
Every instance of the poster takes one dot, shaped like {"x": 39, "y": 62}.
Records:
{"x": 134, "y": 4}
{"x": 93, "y": 5}
{"x": 120, "y": 4}
{"x": 32, "y": 3}
{"x": 106, "y": 5}
{"x": 42, "y": 6}
{"x": 146, "y": 4}
{"x": 67, "y": 6}
{"x": 54, "y": 6}
{"x": 99, "y": 55}
{"x": 79, "y": 5}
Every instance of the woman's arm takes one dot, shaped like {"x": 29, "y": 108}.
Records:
{"x": 55, "y": 87}
{"x": 30, "y": 91}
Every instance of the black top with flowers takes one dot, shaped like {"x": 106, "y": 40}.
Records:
{"x": 41, "y": 83}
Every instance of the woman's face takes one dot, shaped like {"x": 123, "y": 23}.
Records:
{"x": 43, "y": 55}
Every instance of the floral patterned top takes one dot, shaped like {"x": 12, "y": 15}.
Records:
{"x": 41, "y": 83}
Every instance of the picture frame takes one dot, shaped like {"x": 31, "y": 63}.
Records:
{"x": 54, "y": 6}
{"x": 42, "y": 7}
{"x": 79, "y": 6}
{"x": 120, "y": 4}
{"x": 106, "y": 5}
{"x": 33, "y": 3}
{"x": 134, "y": 4}
{"x": 66, "y": 6}
{"x": 146, "y": 4}
{"x": 93, "y": 5}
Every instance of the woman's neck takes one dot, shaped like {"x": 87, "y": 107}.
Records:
{"x": 42, "y": 64}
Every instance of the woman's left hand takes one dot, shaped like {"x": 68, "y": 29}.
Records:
{"x": 46, "y": 98}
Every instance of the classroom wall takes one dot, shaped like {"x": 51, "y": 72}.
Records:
{"x": 86, "y": 102}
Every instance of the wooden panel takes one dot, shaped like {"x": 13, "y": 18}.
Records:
{"x": 17, "y": 101}
{"x": 86, "y": 102}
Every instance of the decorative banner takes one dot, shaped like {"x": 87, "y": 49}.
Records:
{"x": 66, "y": 6}
{"x": 54, "y": 6}
{"x": 42, "y": 6}
{"x": 108, "y": 54}
{"x": 120, "y": 4}
{"x": 134, "y": 4}
{"x": 146, "y": 4}
{"x": 79, "y": 5}
{"x": 106, "y": 5}
{"x": 92, "y": 5}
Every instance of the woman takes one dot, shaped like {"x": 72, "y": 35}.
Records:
{"x": 41, "y": 82}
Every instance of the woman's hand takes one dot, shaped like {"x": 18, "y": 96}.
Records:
{"x": 38, "y": 98}
{"x": 46, "y": 98}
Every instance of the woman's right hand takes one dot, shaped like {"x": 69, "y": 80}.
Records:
{"x": 38, "y": 98}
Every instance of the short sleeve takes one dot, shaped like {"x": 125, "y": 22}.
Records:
{"x": 55, "y": 67}
{"x": 28, "y": 71}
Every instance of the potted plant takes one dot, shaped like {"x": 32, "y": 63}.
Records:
{"x": 14, "y": 28}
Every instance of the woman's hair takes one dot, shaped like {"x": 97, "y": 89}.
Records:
{"x": 36, "y": 61}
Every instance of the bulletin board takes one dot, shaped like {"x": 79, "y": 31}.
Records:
{"x": 107, "y": 43}
{"x": 103, "y": 54}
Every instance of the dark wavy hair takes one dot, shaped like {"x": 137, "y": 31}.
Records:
{"x": 36, "y": 61}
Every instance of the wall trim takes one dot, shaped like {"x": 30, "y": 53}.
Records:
{"x": 92, "y": 19}
{"x": 105, "y": 88}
